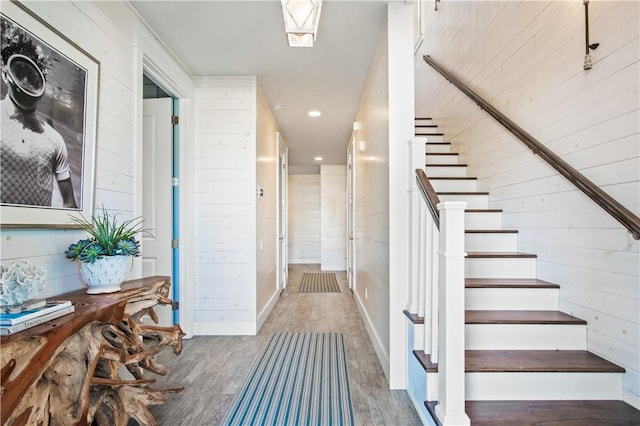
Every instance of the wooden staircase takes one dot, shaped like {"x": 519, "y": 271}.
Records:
{"x": 526, "y": 362}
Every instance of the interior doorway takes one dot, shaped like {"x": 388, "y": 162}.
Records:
{"x": 283, "y": 263}
{"x": 351, "y": 241}
{"x": 159, "y": 193}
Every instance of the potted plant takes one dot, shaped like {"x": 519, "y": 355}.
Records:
{"x": 106, "y": 254}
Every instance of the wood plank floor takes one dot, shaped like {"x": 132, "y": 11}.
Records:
{"x": 212, "y": 368}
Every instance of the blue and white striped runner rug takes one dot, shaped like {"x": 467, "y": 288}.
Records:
{"x": 299, "y": 379}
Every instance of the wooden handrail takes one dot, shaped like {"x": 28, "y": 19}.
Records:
{"x": 429, "y": 194}
{"x": 591, "y": 190}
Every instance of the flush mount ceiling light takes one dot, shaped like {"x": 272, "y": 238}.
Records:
{"x": 317, "y": 158}
{"x": 301, "y": 19}
{"x": 314, "y": 113}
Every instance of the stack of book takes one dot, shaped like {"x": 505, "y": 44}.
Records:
{"x": 34, "y": 315}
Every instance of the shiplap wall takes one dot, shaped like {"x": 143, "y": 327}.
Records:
{"x": 333, "y": 217}
{"x": 526, "y": 58}
{"x": 304, "y": 218}
{"x": 266, "y": 209}
{"x": 225, "y": 205}
{"x": 371, "y": 204}
{"x": 104, "y": 30}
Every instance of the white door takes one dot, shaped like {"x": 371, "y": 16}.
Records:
{"x": 351, "y": 276}
{"x": 283, "y": 265}
{"x": 157, "y": 256}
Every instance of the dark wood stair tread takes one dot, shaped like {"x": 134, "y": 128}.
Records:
{"x": 483, "y": 210}
{"x": 551, "y": 413}
{"x": 426, "y": 125}
{"x": 521, "y": 361}
{"x": 520, "y": 317}
{"x": 438, "y": 143}
{"x": 463, "y": 193}
{"x": 452, "y": 178}
{"x": 414, "y": 318}
{"x": 502, "y": 255}
{"x": 508, "y": 283}
{"x": 423, "y": 118}
{"x": 445, "y": 165}
{"x": 440, "y": 153}
{"x": 425, "y": 361}
{"x": 429, "y": 134}
{"x": 491, "y": 231}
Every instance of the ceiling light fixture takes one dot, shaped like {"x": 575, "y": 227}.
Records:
{"x": 314, "y": 113}
{"x": 301, "y": 19}
{"x": 317, "y": 158}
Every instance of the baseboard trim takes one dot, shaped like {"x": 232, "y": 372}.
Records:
{"x": 267, "y": 310}
{"x": 305, "y": 261}
{"x": 383, "y": 355}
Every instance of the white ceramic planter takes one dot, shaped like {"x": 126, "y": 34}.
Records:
{"x": 105, "y": 275}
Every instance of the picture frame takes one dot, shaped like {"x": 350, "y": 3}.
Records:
{"x": 56, "y": 154}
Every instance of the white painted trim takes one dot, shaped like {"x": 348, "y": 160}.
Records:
{"x": 262, "y": 317}
{"x": 224, "y": 328}
{"x": 401, "y": 128}
{"x": 383, "y": 356}
{"x": 152, "y": 57}
{"x": 631, "y": 399}
{"x": 305, "y": 261}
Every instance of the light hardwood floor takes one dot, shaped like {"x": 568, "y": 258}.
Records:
{"x": 212, "y": 368}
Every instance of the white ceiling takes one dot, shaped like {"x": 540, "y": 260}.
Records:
{"x": 247, "y": 38}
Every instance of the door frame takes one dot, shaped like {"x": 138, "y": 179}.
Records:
{"x": 282, "y": 235}
{"x": 351, "y": 218}
{"x": 152, "y": 59}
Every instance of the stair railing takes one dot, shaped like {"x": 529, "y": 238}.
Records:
{"x": 436, "y": 291}
{"x": 591, "y": 190}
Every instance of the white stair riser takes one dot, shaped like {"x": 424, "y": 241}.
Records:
{"x": 446, "y": 171}
{"x": 500, "y": 267}
{"x": 493, "y": 243}
{"x": 432, "y": 387}
{"x": 482, "y": 220}
{"x": 441, "y": 159}
{"x": 526, "y": 336}
{"x": 418, "y": 337}
{"x": 535, "y": 299}
{"x": 430, "y": 138}
{"x": 424, "y": 122}
{"x": 542, "y": 386}
{"x": 474, "y": 201}
{"x": 459, "y": 185}
{"x": 440, "y": 148}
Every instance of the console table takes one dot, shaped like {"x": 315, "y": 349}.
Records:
{"x": 68, "y": 371}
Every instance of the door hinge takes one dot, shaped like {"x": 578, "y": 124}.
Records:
{"x": 175, "y": 120}
{"x": 175, "y": 306}
{"x": 175, "y": 181}
{"x": 175, "y": 243}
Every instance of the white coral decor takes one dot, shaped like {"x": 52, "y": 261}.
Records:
{"x": 19, "y": 282}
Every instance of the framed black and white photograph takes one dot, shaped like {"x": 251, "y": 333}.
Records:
{"x": 48, "y": 108}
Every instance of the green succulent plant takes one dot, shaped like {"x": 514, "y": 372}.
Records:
{"x": 107, "y": 237}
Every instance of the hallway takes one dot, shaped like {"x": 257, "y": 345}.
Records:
{"x": 212, "y": 368}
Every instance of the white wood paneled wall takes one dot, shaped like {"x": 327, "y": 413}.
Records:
{"x": 225, "y": 205}
{"x": 333, "y": 217}
{"x": 304, "y": 218}
{"x": 98, "y": 28}
{"x": 526, "y": 58}
{"x": 372, "y": 204}
{"x": 266, "y": 209}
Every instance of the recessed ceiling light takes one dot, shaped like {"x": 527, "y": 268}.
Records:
{"x": 314, "y": 113}
{"x": 277, "y": 106}
{"x": 317, "y": 158}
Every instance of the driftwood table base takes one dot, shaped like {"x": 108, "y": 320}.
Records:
{"x": 89, "y": 367}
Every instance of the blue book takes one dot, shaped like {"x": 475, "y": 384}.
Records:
{"x": 52, "y": 306}
{"x": 6, "y": 330}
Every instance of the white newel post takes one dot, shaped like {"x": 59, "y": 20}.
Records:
{"x": 416, "y": 161}
{"x": 451, "y": 389}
